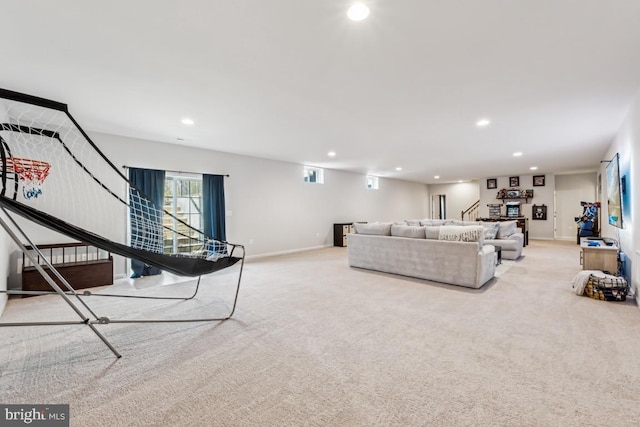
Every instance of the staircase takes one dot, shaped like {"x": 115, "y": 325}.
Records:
{"x": 187, "y": 239}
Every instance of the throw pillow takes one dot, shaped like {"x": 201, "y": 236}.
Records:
{"x": 407, "y": 231}
{"x": 413, "y": 222}
{"x": 506, "y": 229}
{"x": 376, "y": 228}
{"x": 431, "y": 232}
{"x": 462, "y": 233}
{"x": 490, "y": 230}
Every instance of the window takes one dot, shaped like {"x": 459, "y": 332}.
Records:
{"x": 183, "y": 199}
{"x": 315, "y": 175}
{"x": 372, "y": 182}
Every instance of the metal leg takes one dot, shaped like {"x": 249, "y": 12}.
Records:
{"x": 53, "y": 284}
{"x": 205, "y": 319}
{"x": 71, "y": 292}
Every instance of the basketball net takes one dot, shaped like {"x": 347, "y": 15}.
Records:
{"x": 32, "y": 174}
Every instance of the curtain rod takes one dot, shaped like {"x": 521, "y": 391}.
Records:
{"x": 201, "y": 173}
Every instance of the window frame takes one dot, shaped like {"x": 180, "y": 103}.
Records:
{"x": 318, "y": 173}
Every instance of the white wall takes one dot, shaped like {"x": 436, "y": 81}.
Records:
{"x": 272, "y": 209}
{"x": 570, "y": 191}
{"x": 627, "y": 144}
{"x": 459, "y": 197}
{"x": 542, "y": 195}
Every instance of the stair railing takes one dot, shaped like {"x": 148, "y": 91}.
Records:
{"x": 471, "y": 213}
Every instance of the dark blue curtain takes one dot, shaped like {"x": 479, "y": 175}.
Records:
{"x": 213, "y": 209}
{"x": 151, "y": 183}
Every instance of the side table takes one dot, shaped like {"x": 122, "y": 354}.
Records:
{"x": 600, "y": 257}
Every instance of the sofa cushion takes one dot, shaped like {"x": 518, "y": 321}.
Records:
{"x": 410, "y": 231}
{"x": 432, "y": 222}
{"x": 375, "y": 228}
{"x": 432, "y": 232}
{"x": 490, "y": 229}
{"x": 506, "y": 229}
{"x": 462, "y": 233}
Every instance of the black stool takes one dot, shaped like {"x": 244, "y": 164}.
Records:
{"x": 499, "y": 252}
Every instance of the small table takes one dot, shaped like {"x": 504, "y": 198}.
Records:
{"x": 601, "y": 257}
{"x": 499, "y": 252}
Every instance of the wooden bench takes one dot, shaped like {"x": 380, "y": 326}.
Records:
{"x": 82, "y": 265}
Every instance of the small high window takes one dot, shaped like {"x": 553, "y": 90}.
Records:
{"x": 372, "y": 182}
{"x": 315, "y": 175}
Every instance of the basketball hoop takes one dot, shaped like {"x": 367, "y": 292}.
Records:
{"x": 32, "y": 173}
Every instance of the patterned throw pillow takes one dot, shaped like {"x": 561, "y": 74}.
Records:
{"x": 490, "y": 229}
{"x": 461, "y": 233}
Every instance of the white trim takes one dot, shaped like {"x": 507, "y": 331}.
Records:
{"x": 291, "y": 251}
{"x": 635, "y": 278}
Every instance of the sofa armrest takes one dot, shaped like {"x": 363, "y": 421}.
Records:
{"x": 517, "y": 236}
{"x": 486, "y": 264}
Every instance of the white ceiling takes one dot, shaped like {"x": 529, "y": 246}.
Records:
{"x": 294, "y": 79}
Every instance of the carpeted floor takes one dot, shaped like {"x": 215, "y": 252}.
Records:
{"x": 316, "y": 343}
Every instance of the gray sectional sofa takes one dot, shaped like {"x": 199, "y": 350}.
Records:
{"x": 455, "y": 255}
{"x": 505, "y": 234}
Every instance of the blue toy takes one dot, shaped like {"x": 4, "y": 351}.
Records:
{"x": 588, "y": 222}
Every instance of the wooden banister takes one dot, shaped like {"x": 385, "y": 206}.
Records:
{"x": 471, "y": 212}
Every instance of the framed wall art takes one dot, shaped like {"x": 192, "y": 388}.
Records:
{"x": 514, "y": 181}
{"x": 539, "y": 212}
{"x": 538, "y": 180}
{"x": 492, "y": 183}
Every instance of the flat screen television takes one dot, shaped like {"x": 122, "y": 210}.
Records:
{"x": 614, "y": 192}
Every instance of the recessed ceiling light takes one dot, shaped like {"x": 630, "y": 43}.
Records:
{"x": 517, "y": 154}
{"x": 483, "y": 122}
{"x": 534, "y": 168}
{"x": 358, "y": 11}
{"x": 437, "y": 177}
{"x": 187, "y": 121}
{"x": 398, "y": 168}
{"x": 331, "y": 154}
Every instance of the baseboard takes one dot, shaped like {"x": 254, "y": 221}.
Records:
{"x": 291, "y": 251}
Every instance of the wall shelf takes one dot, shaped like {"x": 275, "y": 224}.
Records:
{"x": 514, "y": 194}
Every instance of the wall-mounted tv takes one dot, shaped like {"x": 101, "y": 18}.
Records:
{"x": 614, "y": 192}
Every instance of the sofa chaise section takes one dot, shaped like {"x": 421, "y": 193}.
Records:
{"x": 468, "y": 264}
